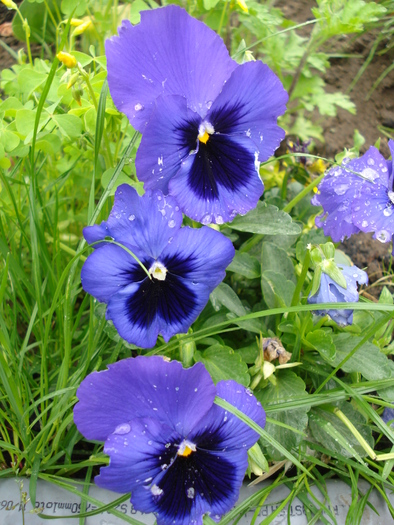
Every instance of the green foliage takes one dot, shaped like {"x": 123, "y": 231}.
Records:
{"x": 64, "y": 149}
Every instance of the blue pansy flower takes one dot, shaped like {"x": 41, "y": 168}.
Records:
{"x": 180, "y": 455}
{"x": 358, "y": 196}
{"x": 184, "y": 266}
{"x": 388, "y": 416}
{"x": 331, "y": 292}
{"x": 206, "y": 121}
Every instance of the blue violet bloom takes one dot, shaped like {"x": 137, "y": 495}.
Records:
{"x": 206, "y": 121}
{"x": 180, "y": 455}
{"x": 184, "y": 266}
{"x": 388, "y": 416}
{"x": 358, "y": 196}
{"x": 331, "y": 292}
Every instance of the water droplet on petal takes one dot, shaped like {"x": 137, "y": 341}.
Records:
{"x": 369, "y": 173}
{"x": 364, "y": 224}
{"x": 131, "y": 217}
{"x": 371, "y": 162}
{"x": 190, "y": 492}
{"x": 138, "y": 107}
{"x": 206, "y": 219}
{"x": 156, "y": 491}
{"x": 171, "y": 223}
{"x": 124, "y": 428}
{"x": 341, "y": 189}
{"x": 388, "y": 211}
{"x": 383, "y": 236}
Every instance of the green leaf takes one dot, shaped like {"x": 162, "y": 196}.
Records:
{"x": 276, "y": 259}
{"x": 288, "y": 387}
{"x": 90, "y": 120}
{"x": 24, "y": 121}
{"x": 49, "y": 143}
{"x": 69, "y": 125}
{"x": 368, "y": 359}
{"x": 321, "y": 341}
{"x": 266, "y": 219}
{"x": 245, "y": 265}
{"x": 82, "y": 58}
{"x": 210, "y": 4}
{"x": 224, "y": 295}
{"x": 312, "y": 237}
{"x": 41, "y": 25}
{"x": 9, "y": 139}
{"x": 329, "y": 430}
{"x": 68, "y": 6}
{"x": 122, "y": 179}
{"x": 223, "y": 363}
{"x": 277, "y": 291}
{"x": 30, "y": 80}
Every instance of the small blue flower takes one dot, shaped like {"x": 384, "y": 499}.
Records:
{"x": 331, "y": 292}
{"x": 388, "y": 416}
{"x": 206, "y": 121}
{"x": 184, "y": 266}
{"x": 180, "y": 455}
{"x": 358, "y": 196}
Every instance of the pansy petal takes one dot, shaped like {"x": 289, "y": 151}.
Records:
{"x": 388, "y": 416}
{"x": 249, "y": 104}
{"x": 134, "y": 449}
{"x": 143, "y": 387}
{"x": 107, "y": 270}
{"x": 96, "y": 233}
{"x": 142, "y": 311}
{"x": 373, "y": 211}
{"x": 218, "y": 181}
{"x": 168, "y": 138}
{"x": 147, "y": 222}
{"x": 222, "y": 430}
{"x": 200, "y": 483}
{"x": 168, "y": 53}
{"x": 207, "y": 252}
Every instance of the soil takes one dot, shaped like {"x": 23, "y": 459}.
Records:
{"x": 371, "y": 114}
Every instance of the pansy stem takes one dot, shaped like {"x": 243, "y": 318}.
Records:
{"x": 305, "y": 266}
{"x": 356, "y": 433}
{"x": 303, "y": 193}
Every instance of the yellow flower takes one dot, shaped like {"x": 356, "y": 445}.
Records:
{"x": 67, "y": 59}
{"x": 243, "y": 6}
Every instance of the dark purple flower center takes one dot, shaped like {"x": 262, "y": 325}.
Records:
{"x": 164, "y": 295}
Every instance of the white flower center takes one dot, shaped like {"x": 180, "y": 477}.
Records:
{"x": 158, "y": 271}
{"x": 186, "y": 448}
{"x": 204, "y": 131}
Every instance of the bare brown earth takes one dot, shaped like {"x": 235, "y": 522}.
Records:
{"x": 371, "y": 115}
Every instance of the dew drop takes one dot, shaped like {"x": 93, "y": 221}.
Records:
{"x": 364, "y": 224}
{"x": 341, "y": 189}
{"x": 131, "y": 217}
{"x": 206, "y": 219}
{"x": 156, "y": 491}
{"x": 369, "y": 173}
{"x": 219, "y": 219}
{"x": 124, "y": 428}
{"x": 190, "y": 492}
{"x": 147, "y": 480}
{"x": 371, "y": 162}
{"x": 138, "y": 107}
{"x": 383, "y": 236}
{"x": 171, "y": 223}
{"x": 388, "y": 211}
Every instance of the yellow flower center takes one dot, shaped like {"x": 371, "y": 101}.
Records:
{"x": 186, "y": 448}
{"x": 204, "y": 131}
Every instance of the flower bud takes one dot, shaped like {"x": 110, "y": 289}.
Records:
{"x": 67, "y": 59}
{"x": 82, "y": 28}
{"x": 9, "y": 4}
